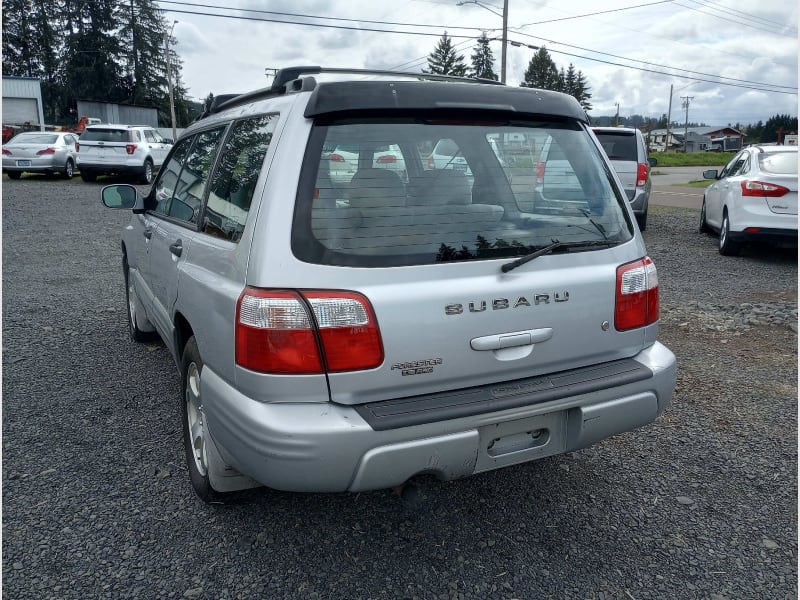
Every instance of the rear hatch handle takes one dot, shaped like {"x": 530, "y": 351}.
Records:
{"x": 512, "y": 339}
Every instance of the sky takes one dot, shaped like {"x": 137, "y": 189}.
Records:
{"x": 732, "y": 62}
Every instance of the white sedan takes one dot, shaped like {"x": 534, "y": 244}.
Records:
{"x": 754, "y": 198}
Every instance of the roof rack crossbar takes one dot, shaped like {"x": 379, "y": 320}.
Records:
{"x": 288, "y": 74}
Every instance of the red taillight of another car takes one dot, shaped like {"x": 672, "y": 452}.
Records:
{"x": 386, "y": 159}
{"x": 130, "y": 148}
{"x": 762, "y": 189}
{"x": 637, "y": 295}
{"x": 49, "y": 150}
{"x": 642, "y": 171}
{"x": 336, "y": 158}
{"x": 6, "y": 152}
{"x": 77, "y": 146}
{"x": 540, "y": 173}
{"x": 289, "y": 332}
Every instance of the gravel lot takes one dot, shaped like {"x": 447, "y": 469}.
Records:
{"x": 96, "y": 501}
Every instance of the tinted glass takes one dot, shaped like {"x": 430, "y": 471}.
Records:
{"x": 168, "y": 175}
{"x": 780, "y": 163}
{"x": 476, "y": 209}
{"x": 105, "y": 135}
{"x": 234, "y": 179}
{"x": 191, "y": 184}
{"x": 618, "y": 146}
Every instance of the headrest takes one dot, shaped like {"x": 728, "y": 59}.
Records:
{"x": 375, "y": 188}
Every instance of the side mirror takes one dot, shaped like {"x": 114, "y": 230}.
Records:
{"x": 711, "y": 174}
{"x": 652, "y": 161}
{"x": 122, "y": 195}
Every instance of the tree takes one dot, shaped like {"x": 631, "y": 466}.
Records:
{"x": 542, "y": 72}
{"x": 783, "y": 122}
{"x": 444, "y": 60}
{"x": 482, "y": 60}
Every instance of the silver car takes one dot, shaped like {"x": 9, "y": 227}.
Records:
{"x": 627, "y": 150}
{"x": 40, "y": 152}
{"x": 351, "y": 338}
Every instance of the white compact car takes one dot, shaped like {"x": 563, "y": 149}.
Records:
{"x": 754, "y": 199}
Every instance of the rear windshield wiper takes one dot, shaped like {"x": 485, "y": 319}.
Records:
{"x": 555, "y": 246}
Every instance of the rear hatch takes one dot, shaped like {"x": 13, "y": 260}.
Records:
{"x": 620, "y": 147}
{"x": 427, "y": 257}
{"x": 102, "y": 145}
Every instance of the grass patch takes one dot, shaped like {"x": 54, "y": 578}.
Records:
{"x": 692, "y": 159}
{"x": 701, "y": 183}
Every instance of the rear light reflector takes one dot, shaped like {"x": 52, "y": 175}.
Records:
{"x": 540, "y": 173}
{"x": 763, "y": 189}
{"x": 49, "y": 150}
{"x": 752, "y": 230}
{"x": 130, "y": 148}
{"x": 637, "y": 295}
{"x": 642, "y": 170}
{"x": 309, "y": 332}
{"x": 336, "y": 158}
{"x": 386, "y": 159}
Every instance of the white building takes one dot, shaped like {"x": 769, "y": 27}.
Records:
{"x": 22, "y": 102}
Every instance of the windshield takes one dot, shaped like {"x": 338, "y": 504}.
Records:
{"x": 451, "y": 190}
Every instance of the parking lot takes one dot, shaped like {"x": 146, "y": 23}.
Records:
{"x": 97, "y": 504}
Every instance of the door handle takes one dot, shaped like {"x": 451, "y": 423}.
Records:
{"x": 176, "y": 248}
{"x": 148, "y": 232}
{"x": 512, "y": 339}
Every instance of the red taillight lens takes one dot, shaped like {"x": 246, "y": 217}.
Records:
{"x": 763, "y": 189}
{"x": 7, "y": 152}
{"x": 336, "y": 158}
{"x": 50, "y": 150}
{"x": 130, "y": 148}
{"x": 77, "y": 146}
{"x": 431, "y": 162}
{"x": 275, "y": 333}
{"x": 386, "y": 159}
{"x": 540, "y": 173}
{"x": 642, "y": 171}
{"x": 637, "y": 295}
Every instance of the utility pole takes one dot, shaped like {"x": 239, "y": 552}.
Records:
{"x": 167, "y": 37}
{"x": 669, "y": 119}
{"x": 616, "y": 118}
{"x": 686, "y": 100}
{"x": 505, "y": 42}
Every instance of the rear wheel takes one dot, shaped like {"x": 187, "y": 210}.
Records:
{"x": 69, "y": 169}
{"x": 195, "y": 433}
{"x": 727, "y": 247}
{"x": 88, "y": 177}
{"x": 147, "y": 172}
{"x": 642, "y": 221}
{"x": 15, "y": 174}
{"x": 704, "y": 228}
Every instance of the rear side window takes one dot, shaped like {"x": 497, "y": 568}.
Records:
{"x": 235, "y": 177}
{"x": 456, "y": 197}
{"x": 780, "y": 163}
{"x": 105, "y": 135}
{"x": 618, "y": 146}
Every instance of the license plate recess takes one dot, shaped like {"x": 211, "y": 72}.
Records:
{"x": 521, "y": 440}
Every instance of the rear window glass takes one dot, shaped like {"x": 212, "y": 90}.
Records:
{"x": 105, "y": 135}
{"x": 423, "y": 191}
{"x": 35, "y": 138}
{"x": 780, "y": 163}
{"x": 618, "y": 146}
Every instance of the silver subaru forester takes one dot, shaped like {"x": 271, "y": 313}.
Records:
{"x": 349, "y": 334}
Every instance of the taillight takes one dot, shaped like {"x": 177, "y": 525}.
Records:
{"x": 641, "y": 174}
{"x": 336, "y": 158}
{"x": 77, "y": 146}
{"x": 540, "y": 173}
{"x": 130, "y": 148}
{"x": 49, "y": 150}
{"x": 8, "y": 152}
{"x": 431, "y": 162}
{"x": 276, "y": 333}
{"x": 386, "y": 159}
{"x": 637, "y": 295}
{"x": 763, "y": 189}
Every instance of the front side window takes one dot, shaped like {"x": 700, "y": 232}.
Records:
{"x": 169, "y": 174}
{"x": 460, "y": 198}
{"x": 188, "y": 196}
{"x": 234, "y": 179}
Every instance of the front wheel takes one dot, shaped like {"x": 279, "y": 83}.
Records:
{"x": 704, "y": 228}
{"x": 69, "y": 169}
{"x": 147, "y": 172}
{"x": 195, "y": 432}
{"x": 727, "y": 247}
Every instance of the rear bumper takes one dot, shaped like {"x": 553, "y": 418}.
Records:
{"x": 330, "y": 447}
{"x": 770, "y": 235}
{"x": 107, "y": 169}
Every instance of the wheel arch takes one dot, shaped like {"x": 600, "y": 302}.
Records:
{"x": 183, "y": 331}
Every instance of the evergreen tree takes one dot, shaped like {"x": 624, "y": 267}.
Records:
{"x": 542, "y": 72}
{"x": 144, "y": 32}
{"x": 482, "y": 60}
{"x": 769, "y": 133}
{"x": 444, "y": 60}
{"x": 581, "y": 92}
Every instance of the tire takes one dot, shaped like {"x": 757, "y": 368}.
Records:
{"x": 195, "y": 434}
{"x": 89, "y": 177}
{"x": 147, "y": 172}
{"x": 137, "y": 335}
{"x": 14, "y": 174}
{"x": 703, "y": 228}
{"x": 69, "y": 169}
{"x": 642, "y": 221}
{"x": 727, "y": 247}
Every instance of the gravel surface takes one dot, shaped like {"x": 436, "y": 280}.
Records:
{"x": 96, "y": 501}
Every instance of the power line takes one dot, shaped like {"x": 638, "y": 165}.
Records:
{"x": 602, "y": 12}
{"x": 737, "y": 22}
{"x": 740, "y": 13}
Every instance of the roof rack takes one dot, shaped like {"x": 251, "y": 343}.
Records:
{"x": 290, "y": 74}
